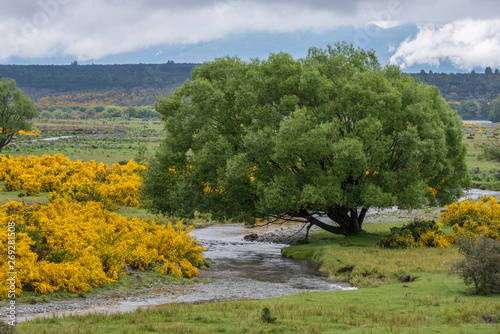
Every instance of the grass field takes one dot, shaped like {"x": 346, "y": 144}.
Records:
{"x": 482, "y": 171}
{"x": 109, "y": 141}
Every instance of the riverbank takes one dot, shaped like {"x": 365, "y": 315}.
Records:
{"x": 433, "y": 302}
{"x": 242, "y": 270}
{"x": 289, "y": 234}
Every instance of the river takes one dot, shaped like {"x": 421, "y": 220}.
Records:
{"x": 242, "y": 270}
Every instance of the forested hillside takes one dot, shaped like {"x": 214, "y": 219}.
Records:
{"x": 64, "y": 78}
{"x": 90, "y": 85}
{"x": 464, "y": 86}
{"x": 141, "y": 84}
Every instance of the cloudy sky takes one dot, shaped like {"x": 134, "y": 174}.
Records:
{"x": 464, "y": 33}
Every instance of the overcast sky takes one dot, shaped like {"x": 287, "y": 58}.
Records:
{"x": 464, "y": 32}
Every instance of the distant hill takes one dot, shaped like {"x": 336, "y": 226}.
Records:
{"x": 89, "y": 85}
{"x": 65, "y": 78}
{"x": 464, "y": 86}
{"x": 141, "y": 84}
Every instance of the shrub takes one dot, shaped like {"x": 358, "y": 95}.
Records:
{"x": 85, "y": 193}
{"x": 473, "y": 219}
{"x": 266, "y": 316}
{"x": 417, "y": 234}
{"x": 71, "y": 246}
{"x": 481, "y": 264}
{"x": 118, "y": 184}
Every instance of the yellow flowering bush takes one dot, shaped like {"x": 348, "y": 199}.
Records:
{"x": 473, "y": 219}
{"x": 72, "y": 246}
{"x": 419, "y": 233}
{"x": 120, "y": 184}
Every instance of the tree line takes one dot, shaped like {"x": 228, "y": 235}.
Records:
{"x": 454, "y": 87}
{"x": 64, "y": 78}
{"x": 457, "y": 87}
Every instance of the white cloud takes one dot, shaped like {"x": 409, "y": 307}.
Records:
{"x": 466, "y": 44}
{"x": 93, "y": 29}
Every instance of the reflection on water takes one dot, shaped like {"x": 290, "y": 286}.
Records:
{"x": 258, "y": 261}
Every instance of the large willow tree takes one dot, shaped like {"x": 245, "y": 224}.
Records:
{"x": 332, "y": 134}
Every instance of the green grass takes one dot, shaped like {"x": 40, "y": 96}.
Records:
{"x": 434, "y": 303}
{"x": 126, "y": 148}
{"x": 373, "y": 266}
{"x": 7, "y": 196}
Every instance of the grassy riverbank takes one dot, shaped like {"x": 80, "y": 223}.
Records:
{"x": 434, "y": 303}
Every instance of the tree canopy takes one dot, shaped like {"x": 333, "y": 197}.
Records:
{"x": 16, "y": 110}
{"x": 323, "y": 139}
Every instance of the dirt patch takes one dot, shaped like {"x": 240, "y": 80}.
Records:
{"x": 347, "y": 269}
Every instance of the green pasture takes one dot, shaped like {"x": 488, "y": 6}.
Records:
{"x": 482, "y": 171}
{"x": 109, "y": 141}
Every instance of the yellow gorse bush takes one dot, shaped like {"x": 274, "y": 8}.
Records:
{"x": 417, "y": 234}
{"x": 120, "y": 184}
{"x": 72, "y": 246}
{"x": 474, "y": 219}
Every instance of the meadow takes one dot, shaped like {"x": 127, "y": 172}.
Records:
{"x": 435, "y": 302}
{"x": 107, "y": 141}
{"x": 484, "y": 174}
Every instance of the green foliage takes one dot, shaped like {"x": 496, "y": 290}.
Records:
{"x": 6, "y": 328}
{"x": 464, "y": 86}
{"x": 494, "y": 114}
{"x": 16, "y": 111}
{"x": 419, "y": 233}
{"x": 112, "y": 112}
{"x": 141, "y": 156}
{"x": 481, "y": 264}
{"x": 99, "y": 109}
{"x": 46, "y": 114}
{"x": 467, "y": 109}
{"x": 333, "y": 132}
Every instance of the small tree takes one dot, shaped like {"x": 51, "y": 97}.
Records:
{"x": 46, "y": 114}
{"x": 90, "y": 113}
{"x": 99, "y": 109}
{"x": 467, "y": 109}
{"x": 16, "y": 111}
{"x": 112, "y": 112}
{"x": 58, "y": 114}
{"x": 481, "y": 264}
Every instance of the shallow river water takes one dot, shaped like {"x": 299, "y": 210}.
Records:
{"x": 242, "y": 270}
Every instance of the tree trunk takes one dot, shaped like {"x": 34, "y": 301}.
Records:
{"x": 349, "y": 221}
